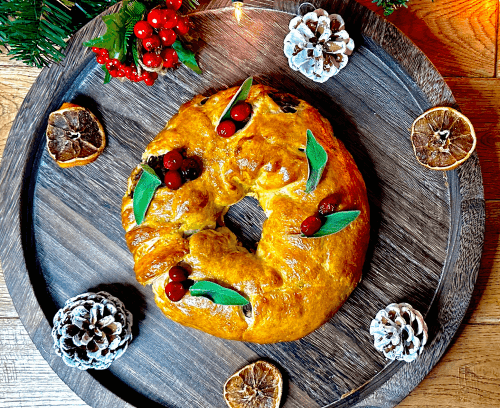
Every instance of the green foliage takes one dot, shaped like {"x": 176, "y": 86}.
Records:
{"x": 35, "y": 31}
{"x": 390, "y": 5}
{"x": 120, "y": 27}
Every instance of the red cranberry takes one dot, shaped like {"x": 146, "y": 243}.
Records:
{"x": 172, "y": 160}
{"x": 328, "y": 205}
{"x": 167, "y": 36}
{"x": 170, "y": 57}
{"x": 241, "y": 111}
{"x": 151, "y": 43}
{"x": 174, "y": 4}
{"x": 311, "y": 225}
{"x": 156, "y": 18}
{"x": 143, "y": 29}
{"x": 182, "y": 26}
{"x": 190, "y": 169}
{"x": 175, "y": 291}
{"x": 226, "y": 128}
{"x": 173, "y": 179}
{"x": 177, "y": 274}
{"x": 151, "y": 60}
{"x": 170, "y": 20}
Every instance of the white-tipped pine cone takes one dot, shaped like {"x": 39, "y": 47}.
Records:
{"x": 92, "y": 330}
{"x": 318, "y": 45}
{"x": 399, "y": 331}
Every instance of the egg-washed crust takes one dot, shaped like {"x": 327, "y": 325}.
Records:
{"x": 293, "y": 284}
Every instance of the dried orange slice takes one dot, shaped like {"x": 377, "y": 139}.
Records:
{"x": 257, "y": 385}
{"x": 442, "y": 138}
{"x": 74, "y": 136}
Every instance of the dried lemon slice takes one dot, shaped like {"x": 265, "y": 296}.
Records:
{"x": 442, "y": 138}
{"x": 74, "y": 136}
{"x": 257, "y": 385}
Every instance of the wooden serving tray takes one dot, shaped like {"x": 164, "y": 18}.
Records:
{"x": 62, "y": 235}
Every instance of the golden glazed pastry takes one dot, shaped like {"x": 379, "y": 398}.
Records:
{"x": 294, "y": 284}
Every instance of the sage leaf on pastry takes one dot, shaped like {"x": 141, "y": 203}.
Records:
{"x": 316, "y": 159}
{"x": 241, "y": 95}
{"x": 144, "y": 192}
{"x": 334, "y": 223}
{"x": 217, "y": 294}
{"x": 186, "y": 56}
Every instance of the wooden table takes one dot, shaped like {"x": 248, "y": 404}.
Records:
{"x": 461, "y": 38}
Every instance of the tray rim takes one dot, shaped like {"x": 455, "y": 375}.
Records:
{"x": 465, "y": 183}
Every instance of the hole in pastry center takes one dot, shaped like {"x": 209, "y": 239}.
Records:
{"x": 245, "y": 219}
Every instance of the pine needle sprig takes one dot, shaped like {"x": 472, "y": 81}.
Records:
{"x": 390, "y": 5}
{"x": 35, "y": 31}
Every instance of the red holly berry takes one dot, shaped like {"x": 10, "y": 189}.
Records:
{"x": 170, "y": 20}
{"x": 113, "y": 72}
{"x": 328, "y": 205}
{"x": 174, "y": 4}
{"x": 172, "y": 160}
{"x": 150, "y": 59}
{"x": 226, "y": 128}
{"x": 97, "y": 50}
{"x": 127, "y": 71}
{"x": 151, "y": 43}
{"x": 167, "y": 36}
{"x": 241, "y": 111}
{"x": 120, "y": 73}
{"x": 113, "y": 65}
{"x": 149, "y": 81}
{"x": 177, "y": 274}
{"x": 101, "y": 59}
{"x": 182, "y": 26}
{"x": 175, "y": 291}
{"x": 173, "y": 179}
{"x": 311, "y": 225}
{"x": 143, "y": 29}
{"x": 170, "y": 57}
{"x": 156, "y": 18}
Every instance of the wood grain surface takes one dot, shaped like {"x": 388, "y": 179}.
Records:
{"x": 465, "y": 377}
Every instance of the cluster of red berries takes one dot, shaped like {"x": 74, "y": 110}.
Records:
{"x": 158, "y": 32}
{"x": 178, "y": 285}
{"x": 175, "y": 169}
{"x": 312, "y": 224}
{"x": 119, "y": 69}
{"x": 240, "y": 112}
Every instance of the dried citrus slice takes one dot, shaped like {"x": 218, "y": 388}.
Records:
{"x": 442, "y": 138}
{"x": 257, "y": 385}
{"x": 74, "y": 136}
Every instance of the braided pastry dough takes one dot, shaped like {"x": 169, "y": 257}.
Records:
{"x": 294, "y": 284}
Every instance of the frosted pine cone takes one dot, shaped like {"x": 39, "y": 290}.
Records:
{"x": 92, "y": 330}
{"x": 399, "y": 331}
{"x": 318, "y": 45}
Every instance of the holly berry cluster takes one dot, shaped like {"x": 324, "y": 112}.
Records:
{"x": 119, "y": 69}
{"x": 240, "y": 113}
{"x": 312, "y": 224}
{"x": 159, "y": 32}
{"x": 179, "y": 283}
{"x": 175, "y": 169}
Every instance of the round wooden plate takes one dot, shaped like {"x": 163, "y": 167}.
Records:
{"x": 62, "y": 233}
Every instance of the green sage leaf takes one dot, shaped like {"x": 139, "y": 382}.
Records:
{"x": 186, "y": 56}
{"x": 335, "y": 222}
{"x": 144, "y": 192}
{"x": 241, "y": 95}
{"x": 316, "y": 159}
{"x": 217, "y": 294}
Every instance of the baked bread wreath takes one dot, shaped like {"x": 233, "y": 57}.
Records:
{"x": 294, "y": 284}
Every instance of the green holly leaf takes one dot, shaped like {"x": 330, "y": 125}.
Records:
{"x": 107, "y": 76}
{"x": 334, "y": 223}
{"x": 186, "y": 56}
{"x": 217, "y": 294}
{"x": 241, "y": 95}
{"x": 144, "y": 192}
{"x": 316, "y": 159}
{"x": 119, "y": 28}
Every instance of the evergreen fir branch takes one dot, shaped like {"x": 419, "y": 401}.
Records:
{"x": 390, "y": 5}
